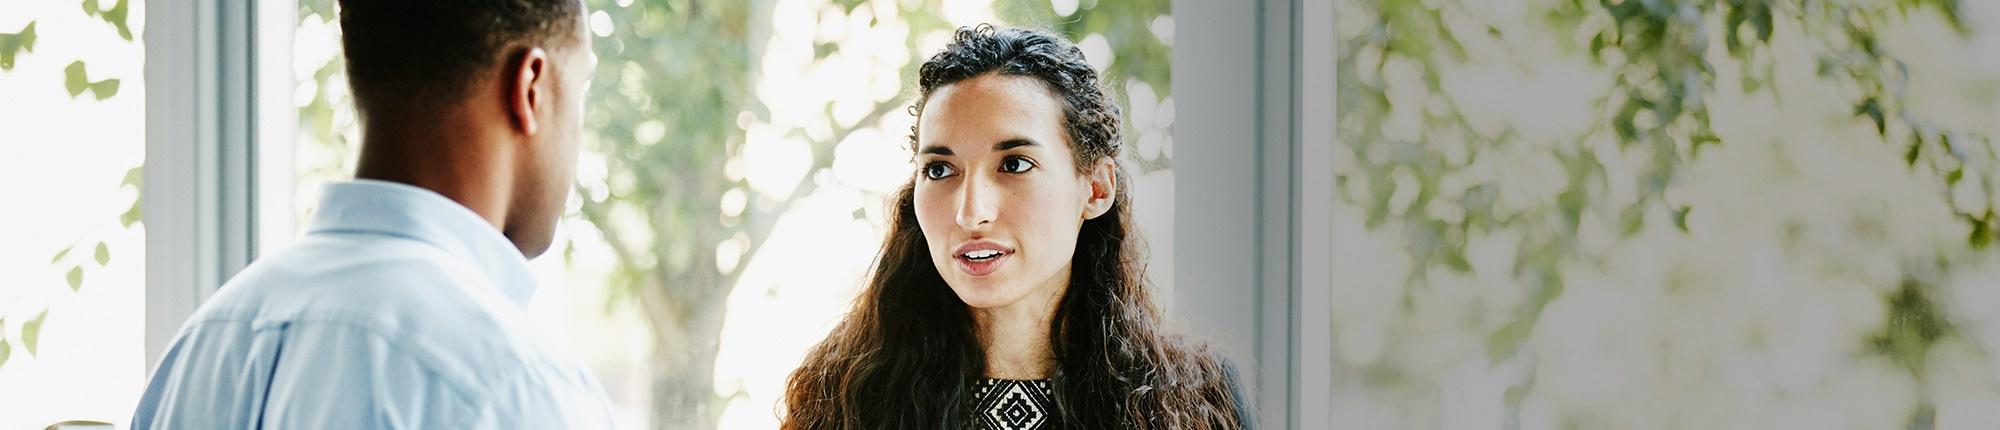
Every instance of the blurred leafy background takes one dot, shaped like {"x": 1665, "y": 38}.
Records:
{"x": 1670, "y": 214}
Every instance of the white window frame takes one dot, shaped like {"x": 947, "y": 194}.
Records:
{"x": 208, "y": 100}
{"x": 1253, "y": 191}
{"x": 1314, "y": 339}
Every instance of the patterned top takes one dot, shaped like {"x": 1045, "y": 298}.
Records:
{"x": 1006, "y": 404}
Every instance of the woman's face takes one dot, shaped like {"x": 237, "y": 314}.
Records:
{"x": 998, "y": 194}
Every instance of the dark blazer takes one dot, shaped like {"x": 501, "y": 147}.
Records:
{"x": 1245, "y": 412}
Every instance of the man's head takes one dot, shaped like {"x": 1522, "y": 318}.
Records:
{"x": 510, "y": 73}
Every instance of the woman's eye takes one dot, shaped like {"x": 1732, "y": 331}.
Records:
{"x": 1016, "y": 165}
{"x": 936, "y": 171}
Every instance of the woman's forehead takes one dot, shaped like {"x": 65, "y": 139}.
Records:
{"x": 990, "y": 108}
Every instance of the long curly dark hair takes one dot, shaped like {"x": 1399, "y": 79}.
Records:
{"x": 906, "y": 356}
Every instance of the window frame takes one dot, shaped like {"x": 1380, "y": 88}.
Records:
{"x": 207, "y": 102}
{"x": 1254, "y": 87}
{"x": 1314, "y": 197}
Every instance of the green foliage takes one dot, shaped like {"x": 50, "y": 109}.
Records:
{"x": 31, "y": 331}
{"x": 136, "y": 179}
{"x": 114, "y": 16}
{"x": 1983, "y": 229}
{"x": 1434, "y": 182}
{"x": 1656, "y": 109}
{"x": 13, "y": 44}
{"x": 60, "y": 254}
{"x": 1915, "y": 323}
{"x": 76, "y": 81}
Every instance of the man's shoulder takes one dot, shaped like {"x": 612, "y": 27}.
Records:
{"x": 414, "y": 297}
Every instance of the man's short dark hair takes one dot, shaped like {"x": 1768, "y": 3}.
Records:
{"x": 406, "y": 52}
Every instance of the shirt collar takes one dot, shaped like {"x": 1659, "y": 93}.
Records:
{"x": 406, "y": 211}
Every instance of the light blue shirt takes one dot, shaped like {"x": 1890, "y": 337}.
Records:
{"x": 400, "y": 309}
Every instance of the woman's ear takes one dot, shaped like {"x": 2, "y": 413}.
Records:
{"x": 1103, "y": 182}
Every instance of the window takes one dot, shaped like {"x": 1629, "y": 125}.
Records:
{"x": 72, "y": 283}
{"x": 735, "y": 163}
{"x": 1704, "y": 215}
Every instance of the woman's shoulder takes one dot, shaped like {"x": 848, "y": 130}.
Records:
{"x": 1227, "y": 377}
{"x": 1209, "y": 374}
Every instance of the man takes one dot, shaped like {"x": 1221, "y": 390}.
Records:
{"x": 404, "y": 304}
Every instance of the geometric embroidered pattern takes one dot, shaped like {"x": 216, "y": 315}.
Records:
{"x": 1005, "y": 404}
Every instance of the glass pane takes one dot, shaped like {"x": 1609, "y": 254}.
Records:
{"x": 723, "y": 173}
{"x": 1695, "y": 215}
{"x": 72, "y": 267}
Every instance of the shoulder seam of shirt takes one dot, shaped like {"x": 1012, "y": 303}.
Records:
{"x": 460, "y": 389}
{"x": 442, "y": 250}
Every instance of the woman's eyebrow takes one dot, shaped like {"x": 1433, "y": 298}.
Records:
{"x": 997, "y": 147}
{"x": 1013, "y": 143}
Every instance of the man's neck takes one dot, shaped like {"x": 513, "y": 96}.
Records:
{"x": 451, "y": 157}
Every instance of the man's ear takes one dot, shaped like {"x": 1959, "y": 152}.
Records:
{"x": 1103, "y": 179}
{"x": 525, "y": 93}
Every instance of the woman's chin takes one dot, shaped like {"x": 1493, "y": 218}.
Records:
{"x": 986, "y": 293}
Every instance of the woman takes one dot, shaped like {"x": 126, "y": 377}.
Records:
{"x": 1010, "y": 292}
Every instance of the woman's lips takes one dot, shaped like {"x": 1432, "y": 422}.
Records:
{"x": 981, "y": 267}
{"x": 981, "y": 258}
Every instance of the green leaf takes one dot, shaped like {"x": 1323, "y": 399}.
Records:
{"x": 1760, "y": 17}
{"x": 74, "y": 79}
{"x": 1915, "y": 323}
{"x": 1733, "y": 20}
{"x": 27, "y": 37}
{"x": 569, "y": 253}
{"x": 103, "y": 254}
{"x": 104, "y": 89}
{"x": 1633, "y": 218}
{"x": 90, "y": 8}
{"x": 76, "y": 278}
{"x": 132, "y": 215}
{"x": 60, "y": 254}
{"x": 1454, "y": 259}
{"x": 136, "y": 177}
{"x": 31, "y": 332}
{"x": 1953, "y": 177}
{"x": 1502, "y": 344}
{"x": 13, "y": 44}
{"x": 1681, "y": 218}
{"x": 1597, "y": 46}
{"x": 116, "y": 16}
{"x": 5, "y": 351}
{"x": 1983, "y": 232}
{"x": 1873, "y": 109}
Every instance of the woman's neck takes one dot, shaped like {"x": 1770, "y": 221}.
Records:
{"x": 1015, "y": 337}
